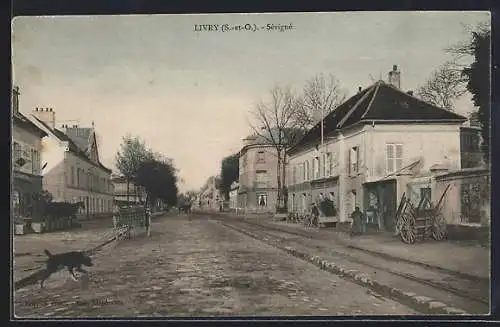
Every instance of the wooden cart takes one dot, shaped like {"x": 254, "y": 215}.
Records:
{"x": 420, "y": 222}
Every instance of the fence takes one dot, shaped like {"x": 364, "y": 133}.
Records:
{"x": 134, "y": 217}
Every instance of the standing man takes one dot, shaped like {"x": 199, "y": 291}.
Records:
{"x": 315, "y": 214}
{"x": 148, "y": 220}
{"x": 357, "y": 222}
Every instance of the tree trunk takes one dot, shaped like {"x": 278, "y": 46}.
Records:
{"x": 284, "y": 193}
{"x": 278, "y": 178}
{"x": 128, "y": 190}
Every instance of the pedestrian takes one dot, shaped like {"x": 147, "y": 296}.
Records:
{"x": 357, "y": 222}
{"x": 148, "y": 221}
{"x": 314, "y": 214}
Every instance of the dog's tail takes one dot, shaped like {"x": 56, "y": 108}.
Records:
{"x": 47, "y": 252}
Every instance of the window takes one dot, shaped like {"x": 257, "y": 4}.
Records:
{"x": 316, "y": 167}
{"x": 262, "y": 200}
{"x": 331, "y": 196}
{"x": 261, "y": 157}
{"x": 17, "y": 151}
{"x": 294, "y": 175}
{"x": 328, "y": 164}
{"x": 425, "y": 197}
{"x": 353, "y": 160}
{"x": 72, "y": 176}
{"x": 470, "y": 203}
{"x": 261, "y": 178}
{"x": 308, "y": 170}
{"x": 35, "y": 162}
{"x": 394, "y": 154}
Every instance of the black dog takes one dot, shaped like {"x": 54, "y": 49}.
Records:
{"x": 72, "y": 260}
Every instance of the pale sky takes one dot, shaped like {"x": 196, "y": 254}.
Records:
{"x": 188, "y": 93}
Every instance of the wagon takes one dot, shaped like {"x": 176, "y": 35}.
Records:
{"x": 420, "y": 222}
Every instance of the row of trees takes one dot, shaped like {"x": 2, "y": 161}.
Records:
{"x": 286, "y": 115}
{"x": 151, "y": 170}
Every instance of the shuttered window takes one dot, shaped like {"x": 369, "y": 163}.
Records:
{"x": 394, "y": 154}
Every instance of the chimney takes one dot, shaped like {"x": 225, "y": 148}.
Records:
{"x": 394, "y": 77}
{"x": 410, "y": 93}
{"x": 48, "y": 116}
{"x": 15, "y": 99}
{"x": 360, "y": 89}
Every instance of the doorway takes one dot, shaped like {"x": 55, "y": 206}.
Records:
{"x": 381, "y": 204}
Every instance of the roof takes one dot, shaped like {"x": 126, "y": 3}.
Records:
{"x": 75, "y": 149}
{"x": 80, "y": 136}
{"x": 23, "y": 122}
{"x": 380, "y": 102}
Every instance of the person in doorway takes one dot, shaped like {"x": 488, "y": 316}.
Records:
{"x": 357, "y": 222}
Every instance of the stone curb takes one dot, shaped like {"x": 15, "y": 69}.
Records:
{"x": 421, "y": 303}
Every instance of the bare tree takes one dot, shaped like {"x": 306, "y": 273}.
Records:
{"x": 445, "y": 85}
{"x": 275, "y": 122}
{"x": 320, "y": 96}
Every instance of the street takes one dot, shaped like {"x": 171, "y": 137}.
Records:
{"x": 188, "y": 268}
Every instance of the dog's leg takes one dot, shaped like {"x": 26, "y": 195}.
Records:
{"x": 80, "y": 269}
{"x": 72, "y": 273}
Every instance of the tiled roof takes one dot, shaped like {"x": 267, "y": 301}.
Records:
{"x": 80, "y": 136}
{"x": 72, "y": 145}
{"x": 19, "y": 119}
{"x": 380, "y": 102}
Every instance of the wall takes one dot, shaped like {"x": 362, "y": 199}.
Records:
{"x": 54, "y": 173}
{"x": 433, "y": 144}
{"x": 57, "y": 178}
{"x": 460, "y": 195}
{"x": 100, "y": 197}
{"x": 29, "y": 142}
{"x": 467, "y": 209}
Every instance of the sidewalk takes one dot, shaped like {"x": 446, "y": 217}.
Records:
{"x": 460, "y": 258}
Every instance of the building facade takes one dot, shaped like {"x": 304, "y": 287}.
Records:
{"x": 73, "y": 172}
{"x": 258, "y": 185}
{"x": 233, "y": 195}
{"x": 375, "y": 142}
{"x": 210, "y": 197}
{"x": 26, "y": 167}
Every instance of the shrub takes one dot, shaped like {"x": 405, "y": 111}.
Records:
{"x": 327, "y": 207}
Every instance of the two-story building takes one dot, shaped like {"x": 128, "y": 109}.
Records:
{"x": 374, "y": 142}
{"x": 26, "y": 166}
{"x": 73, "y": 171}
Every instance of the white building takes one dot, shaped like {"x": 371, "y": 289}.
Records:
{"x": 73, "y": 171}
{"x": 374, "y": 142}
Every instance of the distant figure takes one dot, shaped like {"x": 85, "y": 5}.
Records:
{"x": 314, "y": 214}
{"x": 147, "y": 222}
{"x": 357, "y": 221}
{"x": 220, "y": 207}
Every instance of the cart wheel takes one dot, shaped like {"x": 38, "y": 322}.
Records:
{"x": 408, "y": 231}
{"x": 439, "y": 227}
